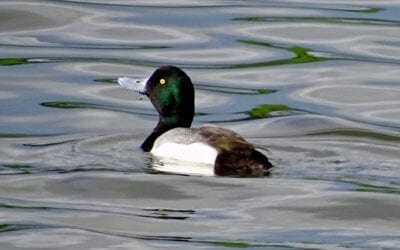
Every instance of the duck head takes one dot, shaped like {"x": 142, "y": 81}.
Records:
{"x": 171, "y": 92}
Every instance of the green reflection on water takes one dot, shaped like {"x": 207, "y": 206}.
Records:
{"x": 16, "y": 227}
{"x": 21, "y": 168}
{"x": 362, "y": 21}
{"x": 363, "y": 187}
{"x": 373, "y": 188}
{"x": 13, "y": 61}
{"x": 69, "y": 105}
{"x": 265, "y": 91}
{"x": 265, "y": 110}
{"x": 302, "y": 55}
{"x": 107, "y": 80}
{"x": 4, "y": 135}
{"x": 232, "y": 90}
{"x": 367, "y": 10}
{"x": 232, "y": 244}
{"x": 7, "y": 228}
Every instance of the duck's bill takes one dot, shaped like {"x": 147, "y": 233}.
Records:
{"x": 138, "y": 85}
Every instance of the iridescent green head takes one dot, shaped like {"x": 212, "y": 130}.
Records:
{"x": 171, "y": 92}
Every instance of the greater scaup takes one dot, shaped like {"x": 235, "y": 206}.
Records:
{"x": 172, "y": 94}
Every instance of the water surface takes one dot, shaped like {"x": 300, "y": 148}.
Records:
{"x": 316, "y": 82}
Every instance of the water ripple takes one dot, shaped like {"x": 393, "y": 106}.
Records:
{"x": 315, "y": 82}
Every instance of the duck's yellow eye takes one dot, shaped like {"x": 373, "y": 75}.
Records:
{"x": 162, "y": 81}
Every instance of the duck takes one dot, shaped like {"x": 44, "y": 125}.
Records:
{"x": 223, "y": 151}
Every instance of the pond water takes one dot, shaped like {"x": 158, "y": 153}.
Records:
{"x": 316, "y": 82}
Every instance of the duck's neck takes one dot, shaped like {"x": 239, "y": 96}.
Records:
{"x": 165, "y": 124}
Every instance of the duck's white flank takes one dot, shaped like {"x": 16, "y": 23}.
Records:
{"x": 193, "y": 159}
{"x": 185, "y": 168}
{"x": 198, "y": 152}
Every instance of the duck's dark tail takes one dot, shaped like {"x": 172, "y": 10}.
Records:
{"x": 262, "y": 159}
{"x": 242, "y": 164}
